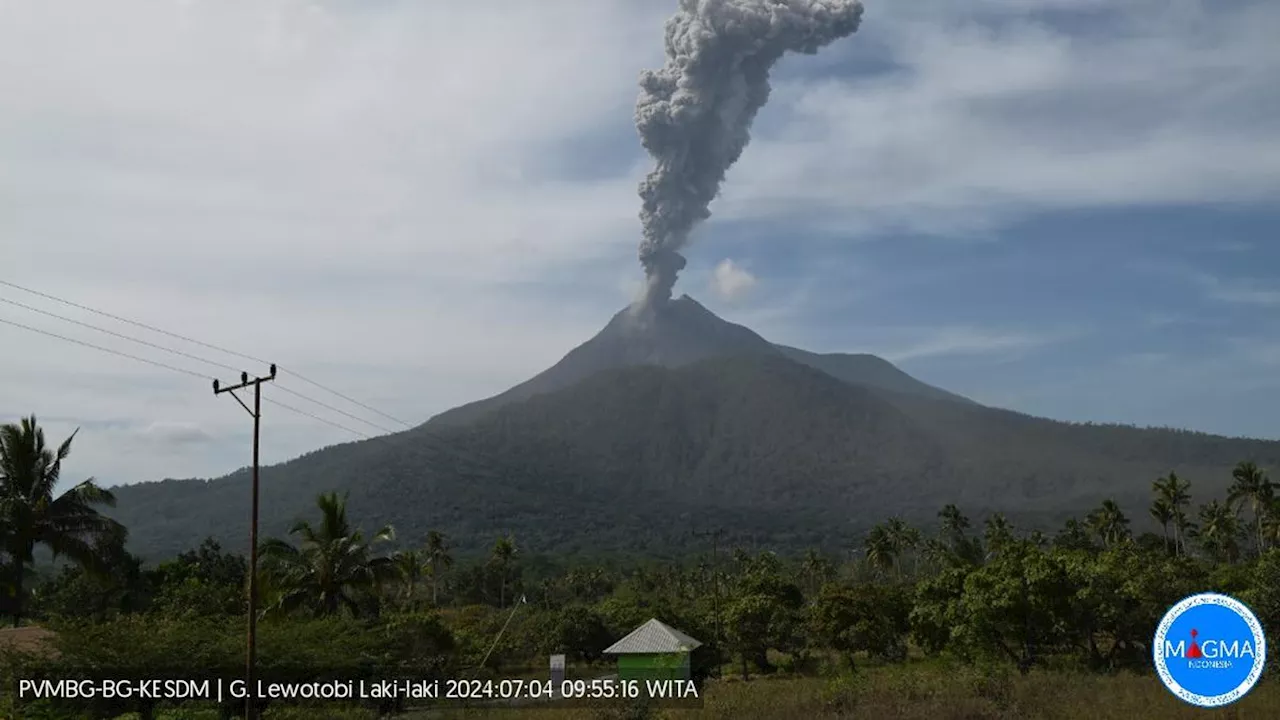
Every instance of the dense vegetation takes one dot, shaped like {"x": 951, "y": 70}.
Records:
{"x": 779, "y": 454}
{"x": 993, "y": 598}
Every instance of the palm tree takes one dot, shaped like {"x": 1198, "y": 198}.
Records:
{"x": 1176, "y": 493}
{"x": 938, "y": 553}
{"x": 1162, "y": 513}
{"x": 903, "y": 537}
{"x": 68, "y": 524}
{"x": 438, "y": 559}
{"x": 504, "y": 552}
{"x": 1109, "y": 522}
{"x": 332, "y": 567}
{"x": 1074, "y": 536}
{"x": 880, "y": 550}
{"x": 1220, "y": 530}
{"x": 409, "y": 566}
{"x": 1271, "y": 523}
{"x": 954, "y": 523}
{"x": 817, "y": 568}
{"x": 1252, "y": 487}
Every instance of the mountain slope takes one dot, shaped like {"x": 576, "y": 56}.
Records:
{"x": 628, "y": 454}
{"x": 869, "y": 370}
{"x": 676, "y": 334}
{"x": 635, "y": 459}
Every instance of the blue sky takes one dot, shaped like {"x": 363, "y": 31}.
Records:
{"x": 1064, "y": 208}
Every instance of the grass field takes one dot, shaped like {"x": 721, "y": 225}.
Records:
{"x": 934, "y": 691}
{"x": 914, "y": 691}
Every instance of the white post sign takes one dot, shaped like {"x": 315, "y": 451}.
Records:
{"x": 557, "y": 673}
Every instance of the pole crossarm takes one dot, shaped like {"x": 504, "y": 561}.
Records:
{"x": 244, "y": 382}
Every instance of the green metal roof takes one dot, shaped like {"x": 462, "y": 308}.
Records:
{"x": 653, "y": 637}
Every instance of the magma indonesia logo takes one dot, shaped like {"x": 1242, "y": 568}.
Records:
{"x": 1209, "y": 650}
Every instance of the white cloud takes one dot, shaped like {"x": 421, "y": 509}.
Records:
{"x": 1232, "y": 290}
{"x": 371, "y": 192}
{"x": 731, "y": 282}
{"x": 977, "y": 127}
{"x": 973, "y": 341}
{"x": 1241, "y": 291}
{"x": 175, "y": 433}
{"x": 353, "y": 189}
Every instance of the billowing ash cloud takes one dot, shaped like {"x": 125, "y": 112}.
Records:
{"x": 694, "y": 115}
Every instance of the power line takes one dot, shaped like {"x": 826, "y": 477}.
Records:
{"x": 330, "y": 407}
{"x": 131, "y": 322}
{"x": 317, "y": 417}
{"x": 210, "y": 346}
{"x": 344, "y": 397}
{"x": 106, "y": 350}
{"x": 119, "y": 335}
{"x": 184, "y": 371}
{"x": 197, "y": 358}
{"x": 425, "y": 434}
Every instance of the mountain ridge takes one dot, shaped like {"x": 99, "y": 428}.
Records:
{"x": 680, "y": 332}
{"x": 681, "y": 432}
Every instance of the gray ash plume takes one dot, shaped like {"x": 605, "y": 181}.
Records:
{"x": 694, "y": 115}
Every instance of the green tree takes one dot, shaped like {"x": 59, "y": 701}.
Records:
{"x": 768, "y": 602}
{"x": 1016, "y": 605}
{"x": 114, "y": 585}
{"x": 438, "y": 560}
{"x": 1119, "y": 595}
{"x": 754, "y": 624}
{"x": 868, "y": 618}
{"x": 332, "y": 567}
{"x": 935, "y": 612}
{"x": 998, "y": 534}
{"x": 1254, "y": 488}
{"x": 580, "y": 632}
{"x": 201, "y": 582}
{"x": 1263, "y": 596}
{"x": 68, "y": 524}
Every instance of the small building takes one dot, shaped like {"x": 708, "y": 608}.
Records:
{"x": 653, "y": 651}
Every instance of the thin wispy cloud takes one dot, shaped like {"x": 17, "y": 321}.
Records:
{"x": 974, "y": 341}
{"x": 730, "y": 281}
{"x": 175, "y": 433}
{"x": 1241, "y": 291}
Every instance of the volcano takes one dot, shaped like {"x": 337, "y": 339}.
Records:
{"x": 677, "y": 333}
{"x": 672, "y": 419}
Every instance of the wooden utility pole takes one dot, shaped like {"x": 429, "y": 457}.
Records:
{"x": 251, "y": 651}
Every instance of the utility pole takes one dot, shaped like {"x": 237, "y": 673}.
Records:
{"x": 250, "y": 711}
{"x": 715, "y": 577}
